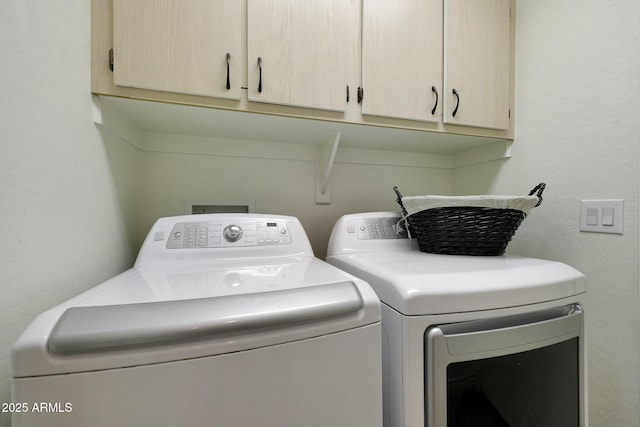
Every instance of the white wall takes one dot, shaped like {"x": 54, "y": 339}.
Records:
{"x": 577, "y": 130}
{"x": 284, "y": 187}
{"x": 68, "y": 209}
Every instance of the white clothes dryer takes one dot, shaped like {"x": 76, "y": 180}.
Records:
{"x": 469, "y": 341}
{"x": 224, "y": 320}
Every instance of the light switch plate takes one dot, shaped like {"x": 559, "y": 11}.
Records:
{"x": 602, "y": 216}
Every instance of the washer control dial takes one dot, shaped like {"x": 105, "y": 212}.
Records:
{"x": 232, "y": 233}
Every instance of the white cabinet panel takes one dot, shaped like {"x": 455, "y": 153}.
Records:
{"x": 303, "y": 53}
{"x": 477, "y": 62}
{"x": 402, "y": 59}
{"x": 184, "y": 46}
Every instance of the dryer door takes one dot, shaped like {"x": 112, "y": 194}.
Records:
{"x": 524, "y": 370}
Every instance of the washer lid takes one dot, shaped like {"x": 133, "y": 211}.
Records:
{"x": 417, "y": 283}
{"x": 166, "y": 313}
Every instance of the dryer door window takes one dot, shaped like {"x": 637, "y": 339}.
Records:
{"x": 522, "y": 370}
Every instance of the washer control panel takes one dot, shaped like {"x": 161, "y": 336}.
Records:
{"x": 379, "y": 228}
{"x": 208, "y": 234}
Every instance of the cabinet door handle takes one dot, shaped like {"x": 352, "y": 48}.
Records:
{"x": 228, "y": 63}
{"x": 434, "y": 90}
{"x": 457, "y": 95}
{"x": 260, "y": 81}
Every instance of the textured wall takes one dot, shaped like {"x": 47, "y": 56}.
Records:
{"x": 68, "y": 209}
{"x": 577, "y": 130}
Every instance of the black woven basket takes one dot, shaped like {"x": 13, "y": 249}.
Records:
{"x": 465, "y": 230}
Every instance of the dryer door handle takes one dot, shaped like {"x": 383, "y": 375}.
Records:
{"x": 496, "y": 337}
{"x": 117, "y": 327}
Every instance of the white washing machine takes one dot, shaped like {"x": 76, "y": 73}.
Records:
{"x": 224, "y": 320}
{"x": 469, "y": 341}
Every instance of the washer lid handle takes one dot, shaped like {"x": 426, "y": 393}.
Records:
{"x": 118, "y": 327}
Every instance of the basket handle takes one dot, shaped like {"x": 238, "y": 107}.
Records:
{"x": 399, "y": 200}
{"x": 539, "y": 188}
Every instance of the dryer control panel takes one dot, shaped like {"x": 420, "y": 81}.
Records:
{"x": 369, "y": 231}
{"x": 379, "y": 228}
{"x": 210, "y": 234}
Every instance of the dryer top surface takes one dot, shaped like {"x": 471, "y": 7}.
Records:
{"x": 417, "y": 283}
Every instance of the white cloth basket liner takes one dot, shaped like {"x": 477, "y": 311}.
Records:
{"x": 414, "y": 204}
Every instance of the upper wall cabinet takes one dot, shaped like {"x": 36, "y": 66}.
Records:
{"x": 418, "y": 66}
{"x": 184, "y": 46}
{"x": 303, "y": 53}
{"x": 440, "y": 66}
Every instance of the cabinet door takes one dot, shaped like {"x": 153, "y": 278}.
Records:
{"x": 303, "y": 53}
{"x": 402, "y": 59}
{"x": 184, "y": 46}
{"x": 477, "y": 63}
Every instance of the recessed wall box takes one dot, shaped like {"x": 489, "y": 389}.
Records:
{"x": 219, "y": 206}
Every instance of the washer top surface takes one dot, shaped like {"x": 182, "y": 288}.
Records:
{"x": 199, "y": 298}
{"x": 417, "y": 283}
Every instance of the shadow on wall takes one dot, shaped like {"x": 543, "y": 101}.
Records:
{"x": 480, "y": 178}
{"x": 123, "y": 159}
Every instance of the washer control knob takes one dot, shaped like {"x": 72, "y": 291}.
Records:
{"x": 232, "y": 233}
